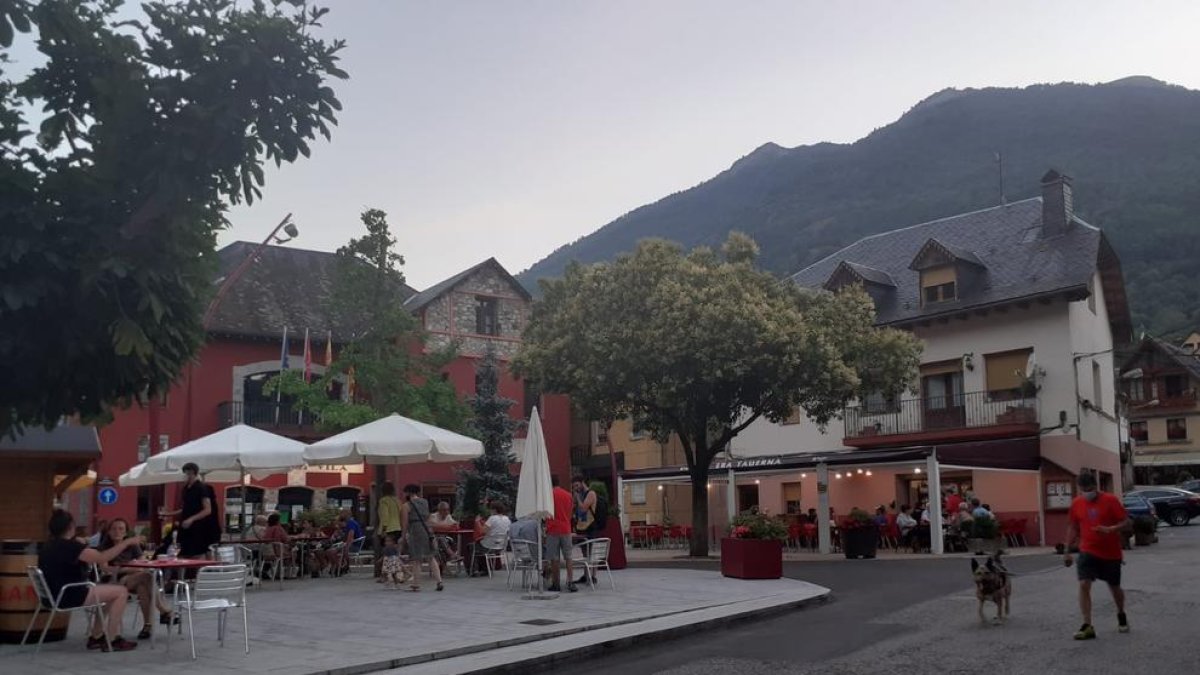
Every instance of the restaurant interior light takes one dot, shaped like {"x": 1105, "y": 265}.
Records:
{"x": 660, "y": 488}
{"x": 860, "y": 470}
{"x": 868, "y": 472}
{"x": 917, "y": 470}
{"x": 838, "y": 476}
{"x": 804, "y": 475}
{"x": 756, "y": 481}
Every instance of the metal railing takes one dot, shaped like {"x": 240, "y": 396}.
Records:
{"x": 265, "y": 414}
{"x": 940, "y": 413}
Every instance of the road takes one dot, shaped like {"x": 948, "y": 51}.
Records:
{"x": 919, "y": 616}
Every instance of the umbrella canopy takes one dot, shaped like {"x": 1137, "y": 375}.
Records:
{"x": 141, "y": 475}
{"x": 535, "y": 497}
{"x": 239, "y": 447}
{"x": 393, "y": 440}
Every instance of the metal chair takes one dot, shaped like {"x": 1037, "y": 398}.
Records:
{"x": 46, "y": 600}
{"x": 357, "y": 556}
{"x": 594, "y": 556}
{"x": 493, "y": 555}
{"x": 522, "y": 556}
{"x": 273, "y": 561}
{"x": 217, "y": 588}
{"x": 133, "y": 599}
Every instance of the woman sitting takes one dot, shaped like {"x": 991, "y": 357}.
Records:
{"x": 138, "y": 582}
{"x": 278, "y": 542}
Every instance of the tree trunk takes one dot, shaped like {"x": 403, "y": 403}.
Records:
{"x": 699, "y": 541}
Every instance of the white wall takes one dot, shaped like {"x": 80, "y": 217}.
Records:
{"x": 1055, "y": 331}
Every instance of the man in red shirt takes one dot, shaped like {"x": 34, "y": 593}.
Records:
{"x": 558, "y": 536}
{"x": 952, "y": 500}
{"x": 1096, "y": 522}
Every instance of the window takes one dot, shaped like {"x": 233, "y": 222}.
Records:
{"x": 1177, "y": 429}
{"x": 747, "y": 498}
{"x": 1136, "y": 388}
{"x": 793, "y": 418}
{"x": 942, "y": 385}
{"x": 143, "y": 502}
{"x": 1139, "y": 432}
{"x": 532, "y": 395}
{"x": 791, "y": 498}
{"x": 1005, "y": 374}
{"x": 1175, "y": 386}
{"x": 877, "y": 403}
{"x": 939, "y": 284}
{"x": 1097, "y": 387}
{"x": 487, "y": 319}
{"x": 637, "y": 493}
{"x": 636, "y": 431}
{"x": 939, "y": 293}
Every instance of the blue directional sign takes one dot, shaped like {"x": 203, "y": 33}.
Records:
{"x": 107, "y": 496}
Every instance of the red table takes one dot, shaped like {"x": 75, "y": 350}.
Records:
{"x": 176, "y": 564}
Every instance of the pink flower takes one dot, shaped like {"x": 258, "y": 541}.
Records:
{"x": 741, "y": 532}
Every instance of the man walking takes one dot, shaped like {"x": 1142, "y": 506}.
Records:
{"x": 558, "y": 536}
{"x": 1096, "y": 522}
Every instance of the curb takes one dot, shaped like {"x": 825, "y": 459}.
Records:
{"x": 542, "y": 661}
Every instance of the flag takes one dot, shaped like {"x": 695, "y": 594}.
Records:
{"x": 307, "y": 357}
{"x": 283, "y": 351}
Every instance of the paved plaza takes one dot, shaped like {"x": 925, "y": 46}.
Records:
{"x": 352, "y": 625}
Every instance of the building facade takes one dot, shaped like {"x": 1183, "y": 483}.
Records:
{"x": 224, "y": 386}
{"x": 1160, "y": 382}
{"x": 1018, "y": 309}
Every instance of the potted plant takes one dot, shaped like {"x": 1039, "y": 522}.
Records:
{"x": 1143, "y": 530}
{"x": 860, "y": 535}
{"x": 985, "y": 536}
{"x": 754, "y": 547}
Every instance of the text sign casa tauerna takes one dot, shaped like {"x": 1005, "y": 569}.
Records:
{"x": 743, "y": 463}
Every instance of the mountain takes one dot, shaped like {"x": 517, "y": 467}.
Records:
{"x": 1132, "y": 146}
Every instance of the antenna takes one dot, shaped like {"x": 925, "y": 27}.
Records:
{"x": 1000, "y": 171}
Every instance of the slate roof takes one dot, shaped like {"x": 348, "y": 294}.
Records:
{"x": 871, "y": 274}
{"x": 1006, "y": 241}
{"x": 288, "y": 286}
{"x": 418, "y": 301}
{"x": 1184, "y": 358}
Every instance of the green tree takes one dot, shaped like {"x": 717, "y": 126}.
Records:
{"x": 490, "y": 478}
{"x": 384, "y": 351}
{"x": 711, "y": 344}
{"x": 119, "y": 155}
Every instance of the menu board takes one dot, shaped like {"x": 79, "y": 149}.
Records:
{"x": 1058, "y": 495}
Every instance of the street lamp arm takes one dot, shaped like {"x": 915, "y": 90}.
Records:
{"x": 237, "y": 273}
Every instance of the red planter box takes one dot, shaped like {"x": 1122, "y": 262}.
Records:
{"x": 752, "y": 558}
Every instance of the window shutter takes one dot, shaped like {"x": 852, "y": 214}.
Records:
{"x": 1006, "y": 370}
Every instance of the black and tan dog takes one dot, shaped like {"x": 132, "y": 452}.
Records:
{"x": 992, "y": 583}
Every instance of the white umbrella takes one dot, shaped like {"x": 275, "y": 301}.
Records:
{"x": 228, "y": 455}
{"x": 535, "y": 494}
{"x": 140, "y": 475}
{"x": 393, "y": 440}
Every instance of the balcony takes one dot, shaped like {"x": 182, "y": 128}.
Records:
{"x": 966, "y": 417}
{"x": 279, "y": 418}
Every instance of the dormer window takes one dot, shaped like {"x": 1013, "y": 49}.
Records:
{"x": 939, "y": 284}
{"x": 944, "y": 271}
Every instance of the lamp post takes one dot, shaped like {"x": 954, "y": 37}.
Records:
{"x": 157, "y": 493}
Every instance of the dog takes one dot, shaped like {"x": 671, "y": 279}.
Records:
{"x": 992, "y": 583}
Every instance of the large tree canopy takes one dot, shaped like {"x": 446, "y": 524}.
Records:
{"x": 118, "y": 156}
{"x": 702, "y": 344}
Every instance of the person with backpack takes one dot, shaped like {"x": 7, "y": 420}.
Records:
{"x": 587, "y": 522}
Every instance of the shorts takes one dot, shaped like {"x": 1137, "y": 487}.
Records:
{"x": 1090, "y": 568}
{"x": 558, "y": 545}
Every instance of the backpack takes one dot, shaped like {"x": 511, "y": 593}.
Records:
{"x": 601, "y": 513}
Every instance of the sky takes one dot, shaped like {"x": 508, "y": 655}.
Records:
{"x": 508, "y": 129}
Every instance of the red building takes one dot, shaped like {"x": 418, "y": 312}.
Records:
{"x": 290, "y": 287}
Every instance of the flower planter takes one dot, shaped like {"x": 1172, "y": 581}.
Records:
{"x": 752, "y": 558}
{"x": 860, "y": 542}
{"x": 1143, "y": 539}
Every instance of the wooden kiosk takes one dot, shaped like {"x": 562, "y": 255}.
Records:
{"x": 35, "y": 468}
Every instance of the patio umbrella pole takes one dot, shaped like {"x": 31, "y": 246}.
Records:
{"x": 541, "y": 591}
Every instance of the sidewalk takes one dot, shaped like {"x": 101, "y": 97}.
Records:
{"x": 351, "y": 625}
{"x": 657, "y": 555}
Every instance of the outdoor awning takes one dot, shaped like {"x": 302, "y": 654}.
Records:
{"x": 1021, "y": 454}
{"x": 67, "y": 447}
{"x": 1166, "y": 459}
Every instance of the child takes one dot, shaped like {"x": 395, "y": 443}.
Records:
{"x": 394, "y": 571}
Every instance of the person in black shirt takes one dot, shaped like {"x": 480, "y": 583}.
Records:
{"x": 199, "y": 526}
{"x": 62, "y": 560}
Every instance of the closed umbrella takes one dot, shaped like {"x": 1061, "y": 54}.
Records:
{"x": 535, "y": 493}
{"x": 393, "y": 440}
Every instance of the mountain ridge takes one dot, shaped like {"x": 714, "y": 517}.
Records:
{"x": 1132, "y": 146}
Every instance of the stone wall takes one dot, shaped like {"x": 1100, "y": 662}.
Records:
{"x": 452, "y": 316}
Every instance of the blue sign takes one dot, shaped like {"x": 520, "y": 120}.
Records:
{"x": 107, "y": 496}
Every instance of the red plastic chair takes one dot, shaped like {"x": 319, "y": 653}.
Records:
{"x": 810, "y": 535}
{"x": 655, "y": 535}
{"x": 638, "y": 534}
{"x": 794, "y": 534}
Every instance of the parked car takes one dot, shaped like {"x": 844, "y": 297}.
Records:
{"x": 1190, "y": 486}
{"x": 1136, "y": 505}
{"x": 1173, "y": 505}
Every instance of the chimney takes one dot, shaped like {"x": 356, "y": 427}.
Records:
{"x": 1057, "y": 207}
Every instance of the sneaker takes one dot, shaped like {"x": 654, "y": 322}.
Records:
{"x": 95, "y": 642}
{"x": 1086, "y": 632}
{"x": 1122, "y": 623}
{"x": 572, "y": 587}
{"x": 556, "y": 588}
